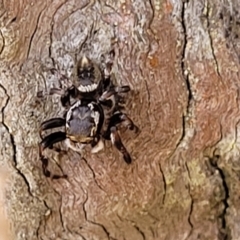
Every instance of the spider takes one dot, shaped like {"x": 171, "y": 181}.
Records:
{"x": 94, "y": 115}
{"x": 91, "y": 83}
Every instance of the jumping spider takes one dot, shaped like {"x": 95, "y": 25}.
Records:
{"x": 94, "y": 115}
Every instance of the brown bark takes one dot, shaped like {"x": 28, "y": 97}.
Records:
{"x": 181, "y": 58}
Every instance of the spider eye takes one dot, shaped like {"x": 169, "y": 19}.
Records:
{"x": 82, "y": 75}
{"x": 90, "y": 69}
{"x": 85, "y": 74}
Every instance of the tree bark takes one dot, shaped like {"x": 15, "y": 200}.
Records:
{"x": 181, "y": 59}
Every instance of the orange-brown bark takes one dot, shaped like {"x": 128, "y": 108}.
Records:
{"x": 181, "y": 60}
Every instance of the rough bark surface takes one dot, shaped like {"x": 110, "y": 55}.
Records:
{"x": 181, "y": 59}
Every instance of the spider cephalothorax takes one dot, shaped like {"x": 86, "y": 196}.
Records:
{"x": 89, "y": 76}
{"x": 89, "y": 81}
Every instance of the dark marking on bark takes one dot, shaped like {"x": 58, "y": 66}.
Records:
{"x": 80, "y": 47}
{"x": 13, "y": 19}
{"x": 38, "y": 228}
{"x": 188, "y": 171}
{"x": 93, "y": 173}
{"x": 185, "y": 75}
{"x": 164, "y": 183}
{"x": 211, "y": 40}
{"x": 153, "y": 13}
{"x": 223, "y": 231}
{"x": 51, "y": 42}
{"x": 83, "y": 238}
{"x": 183, "y": 65}
{"x": 192, "y": 202}
{"x": 133, "y": 224}
{"x": 183, "y": 131}
{"x": 190, "y": 212}
{"x": 3, "y": 42}
{"x": 140, "y": 232}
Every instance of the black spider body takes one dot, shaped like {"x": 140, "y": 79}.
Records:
{"x": 92, "y": 114}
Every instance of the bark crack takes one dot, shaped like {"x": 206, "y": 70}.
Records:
{"x": 183, "y": 57}
{"x": 3, "y": 42}
{"x": 42, "y": 219}
{"x": 33, "y": 34}
{"x": 51, "y": 41}
{"x": 95, "y": 223}
{"x": 93, "y": 173}
{"x": 153, "y": 13}
{"x": 192, "y": 203}
{"x": 14, "y": 157}
{"x": 140, "y": 232}
{"x": 51, "y": 34}
{"x": 207, "y": 7}
{"x": 185, "y": 73}
{"x": 223, "y": 231}
{"x": 12, "y": 140}
{"x": 60, "y": 212}
{"x": 190, "y": 212}
{"x": 133, "y": 224}
{"x": 164, "y": 184}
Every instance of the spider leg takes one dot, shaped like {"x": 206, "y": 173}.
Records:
{"x": 122, "y": 89}
{"x": 57, "y": 91}
{"x": 65, "y": 83}
{"x": 113, "y": 91}
{"x": 47, "y": 142}
{"x": 51, "y": 123}
{"x": 127, "y": 121}
{"x": 109, "y": 63}
{"x": 65, "y": 99}
{"x": 97, "y": 145}
{"x": 65, "y": 95}
{"x": 117, "y": 142}
{"x": 120, "y": 118}
{"x": 63, "y": 79}
{"x": 75, "y": 148}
